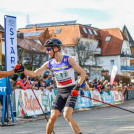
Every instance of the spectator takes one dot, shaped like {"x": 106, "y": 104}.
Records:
{"x": 50, "y": 82}
{"x": 125, "y": 91}
{"x": 23, "y": 83}
{"x": 36, "y": 83}
{"x": 95, "y": 84}
{"x": 13, "y": 80}
{"x": 43, "y": 83}
{"x": 88, "y": 84}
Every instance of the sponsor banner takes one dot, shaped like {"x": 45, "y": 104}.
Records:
{"x": 78, "y": 102}
{"x": 121, "y": 93}
{"x": 95, "y": 95}
{"x": 2, "y": 86}
{"x": 27, "y": 105}
{"x": 10, "y": 42}
{"x": 116, "y": 96}
{"x": 85, "y": 102}
{"x": 108, "y": 97}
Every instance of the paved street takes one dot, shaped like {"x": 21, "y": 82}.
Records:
{"x": 106, "y": 120}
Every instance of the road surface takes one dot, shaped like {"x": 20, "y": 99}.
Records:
{"x": 103, "y": 120}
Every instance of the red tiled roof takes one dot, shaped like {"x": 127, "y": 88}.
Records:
{"x": 1, "y": 28}
{"x": 112, "y": 47}
{"x": 88, "y": 35}
{"x": 69, "y": 34}
{"x": 30, "y": 45}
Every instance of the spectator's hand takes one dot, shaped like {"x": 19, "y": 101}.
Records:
{"x": 52, "y": 85}
{"x": 35, "y": 82}
{"x": 28, "y": 81}
{"x": 18, "y": 68}
{"x": 41, "y": 88}
{"x": 75, "y": 90}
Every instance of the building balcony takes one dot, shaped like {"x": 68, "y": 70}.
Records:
{"x": 126, "y": 55}
{"x": 131, "y": 68}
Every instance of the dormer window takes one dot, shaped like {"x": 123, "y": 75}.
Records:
{"x": 57, "y": 31}
{"x": 95, "y": 32}
{"x": 90, "y": 31}
{"x": 108, "y": 38}
{"x": 84, "y": 29}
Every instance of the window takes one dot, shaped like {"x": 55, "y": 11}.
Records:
{"x": 90, "y": 31}
{"x": 84, "y": 29}
{"x": 95, "y": 32}
{"x": 112, "y": 62}
{"x": 57, "y": 31}
{"x": 108, "y": 38}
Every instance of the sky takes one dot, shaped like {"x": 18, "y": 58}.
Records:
{"x": 100, "y": 13}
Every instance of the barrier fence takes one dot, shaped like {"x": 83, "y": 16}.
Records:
{"x": 25, "y": 103}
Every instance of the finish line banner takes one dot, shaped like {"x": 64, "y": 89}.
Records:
{"x": 10, "y": 42}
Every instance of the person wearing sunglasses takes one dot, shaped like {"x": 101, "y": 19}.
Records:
{"x": 62, "y": 67}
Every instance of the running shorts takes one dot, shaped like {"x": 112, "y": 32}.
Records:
{"x": 64, "y": 99}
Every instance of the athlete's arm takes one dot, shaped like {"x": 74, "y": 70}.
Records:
{"x": 7, "y": 73}
{"x": 38, "y": 71}
{"x": 77, "y": 68}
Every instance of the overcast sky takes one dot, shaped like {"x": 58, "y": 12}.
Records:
{"x": 100, "y": 13}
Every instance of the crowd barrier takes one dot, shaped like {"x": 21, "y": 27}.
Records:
{"x": 25, "y": 103}
{"x": 129, "y": 94}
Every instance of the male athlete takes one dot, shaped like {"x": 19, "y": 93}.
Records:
{"x": 67, "y": 89}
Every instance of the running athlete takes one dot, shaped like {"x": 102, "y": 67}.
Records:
{"x": 67, "y": 89}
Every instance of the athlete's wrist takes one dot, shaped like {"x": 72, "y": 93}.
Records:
{"x": 77, "y": 86}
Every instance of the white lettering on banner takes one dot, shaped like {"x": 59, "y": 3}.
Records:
{"x": 11, "y": 42}
{"x": 2, "y": 89}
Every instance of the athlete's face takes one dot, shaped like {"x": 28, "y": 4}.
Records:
{"x": 49, "y": 51}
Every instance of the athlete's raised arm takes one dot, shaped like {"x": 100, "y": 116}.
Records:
{"x": 7, "y": 73}
{"x": 38, "y": 71}
{"x": 17, "y": 68}
{"x": 77, "y": 68}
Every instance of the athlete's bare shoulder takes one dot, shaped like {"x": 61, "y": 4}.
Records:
{"x": 72, "y": 61}
{"x": 45, "y": 65}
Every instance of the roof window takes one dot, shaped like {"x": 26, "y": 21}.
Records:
{"x": 90, "y": 31}
{"x": 57, "y": 31}
{"x": 108, "y": 38}
{"x": 84, "y": 29}
{"x": 95, "y": 32}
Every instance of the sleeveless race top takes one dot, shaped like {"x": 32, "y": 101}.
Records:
{"x": 63, "y": 72}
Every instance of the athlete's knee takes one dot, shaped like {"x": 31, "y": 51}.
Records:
{"x": 67, "y": 116}
{"x": 52, "y": 118}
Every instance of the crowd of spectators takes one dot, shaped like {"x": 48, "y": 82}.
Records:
{"x": 104, "y": 85}
{"x": 47, "y": 82}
